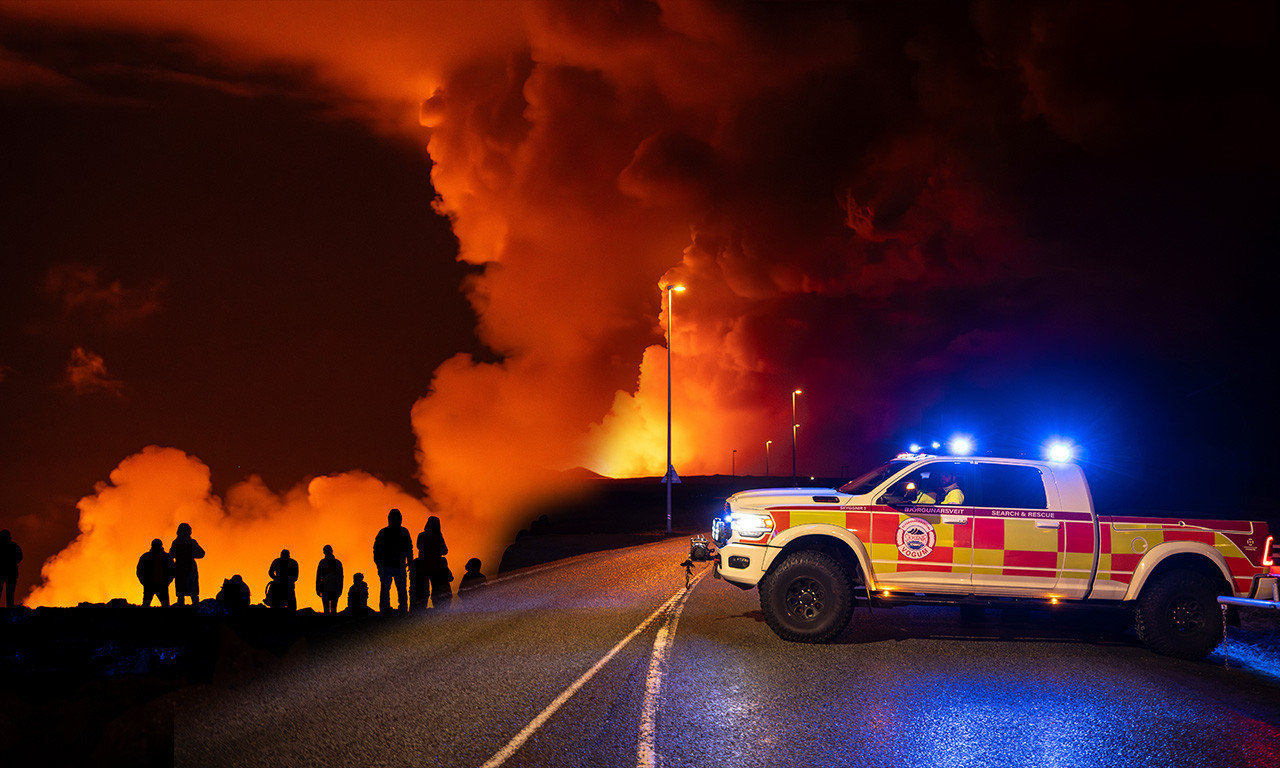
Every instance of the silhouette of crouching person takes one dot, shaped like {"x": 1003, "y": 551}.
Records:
{"x": 472, "y": 578}
{"x": 358, "y": 595}
{"x": 234, "y": 595}
{"x": 155, "y": 573}
{"x": 282, "y": 590}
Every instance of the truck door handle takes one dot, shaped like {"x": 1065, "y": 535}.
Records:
{"x": 1046, "y": 523}
{"x": 955, "y": 519}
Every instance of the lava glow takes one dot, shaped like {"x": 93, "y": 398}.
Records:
{"x": 844, "y": 189}
{"x": 154, "y": 491}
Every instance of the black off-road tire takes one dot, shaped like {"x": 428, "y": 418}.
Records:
{"x": 1178, "y": 615}
{"x": 807, "y": 598}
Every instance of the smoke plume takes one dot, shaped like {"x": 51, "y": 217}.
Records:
{"x": 864, "y": 202}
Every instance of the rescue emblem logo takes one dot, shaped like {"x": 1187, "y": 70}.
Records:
{"x": 916, "y": 538}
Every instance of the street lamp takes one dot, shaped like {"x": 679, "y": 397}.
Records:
{"x": 671, "y": 476}
{"x": 733, "y": 471}
{"x": 794, "y": 426}
{"x": 767, "y": 443}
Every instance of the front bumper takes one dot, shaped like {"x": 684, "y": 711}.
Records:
{"x": 741, "y": 564}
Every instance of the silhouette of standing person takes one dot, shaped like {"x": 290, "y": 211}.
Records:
{"x": 329, "y": 580}
{"x": 155, "y": 572}
{"x": 358, "y": 595}
{"x": 284, "y": 575}
{"x": 392, "y": 551}
{"x": 10, "y": 556}
{"x": 435, "y": 569}
{"x": 185, "y": 552}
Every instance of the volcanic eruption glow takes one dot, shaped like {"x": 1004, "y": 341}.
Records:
{"x": 854, "y": 196}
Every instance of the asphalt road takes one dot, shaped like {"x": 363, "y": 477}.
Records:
{"x": 606, "y": 660}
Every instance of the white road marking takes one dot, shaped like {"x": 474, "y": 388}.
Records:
{"x": 646, "y": 751}
{"x": 502, "y": 755}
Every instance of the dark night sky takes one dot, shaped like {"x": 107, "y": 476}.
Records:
{"x": 1013, "y": 220}
{"x": 264, "y": 279}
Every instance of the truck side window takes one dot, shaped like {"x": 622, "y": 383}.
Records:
{"x": 936, "y": 483}
{"x": 1012, "y": 487}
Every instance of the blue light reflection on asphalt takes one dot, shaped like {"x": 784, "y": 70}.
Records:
{"x": 927, "y": 711}
{"x": 1055, "y": 719}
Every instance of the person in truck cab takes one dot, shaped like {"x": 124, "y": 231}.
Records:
{"x": 923, "y": 495}
{"x": 951, "y": 493}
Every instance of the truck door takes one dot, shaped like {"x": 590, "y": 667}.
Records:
{"x": 918, "y": 543}
{"x": 1017, "y": 539}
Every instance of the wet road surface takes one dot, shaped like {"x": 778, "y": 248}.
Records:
{"x": 605, "y": 660}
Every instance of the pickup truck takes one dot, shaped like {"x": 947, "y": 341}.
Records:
{"x": 968, "y": 531}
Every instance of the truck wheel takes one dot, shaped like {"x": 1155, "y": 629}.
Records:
{"x": 1179, "y": 616}
{"x": 807, "y": 598}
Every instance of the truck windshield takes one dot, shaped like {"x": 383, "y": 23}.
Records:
{"x": 868, "y": 482}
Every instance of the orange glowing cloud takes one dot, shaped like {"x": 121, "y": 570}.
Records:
{"x": 153, "y": 491}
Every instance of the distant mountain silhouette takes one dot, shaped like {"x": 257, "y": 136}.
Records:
{"x": 582, "y": 473}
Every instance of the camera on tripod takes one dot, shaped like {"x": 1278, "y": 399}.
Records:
{"x": 700, "y": 549}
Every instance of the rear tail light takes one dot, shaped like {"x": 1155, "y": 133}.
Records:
{"x": 1267, "y": 558}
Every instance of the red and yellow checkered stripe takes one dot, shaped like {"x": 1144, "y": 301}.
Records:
{"x": 1124, "y": 544}
{"x": 989, "y": 545}
{"x": 1005, "y": 547}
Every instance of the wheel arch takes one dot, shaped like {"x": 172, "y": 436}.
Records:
{"x": 1185, "y": 556}
{"x": 833, "y": 540}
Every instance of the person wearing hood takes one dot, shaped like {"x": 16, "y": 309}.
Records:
{"x": 185, "y": 551}
{"x": 155, "y": 573}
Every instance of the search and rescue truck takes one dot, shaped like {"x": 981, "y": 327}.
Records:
{"x": 968, "y": 531}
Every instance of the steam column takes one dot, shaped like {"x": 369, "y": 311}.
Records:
{"x": 671, "y": 476}
{"x": 794, "y": 426}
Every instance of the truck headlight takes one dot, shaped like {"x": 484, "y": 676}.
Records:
{"x": 750, "y": 525}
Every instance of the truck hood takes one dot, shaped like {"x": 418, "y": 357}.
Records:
{"x": 774, "y": 497}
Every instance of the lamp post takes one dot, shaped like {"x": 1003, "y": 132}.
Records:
{"x": 794, "y": 426}
{"x": 767, "y": 443}
{"x": 733, "y": 465}
{"x": 671, "y": 476}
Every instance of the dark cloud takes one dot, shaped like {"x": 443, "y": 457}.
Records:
{"x": 85, "y": 297}
{"x": 86, "y": 373}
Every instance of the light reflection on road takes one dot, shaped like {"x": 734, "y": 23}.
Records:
{"x": 928, "y": 702}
